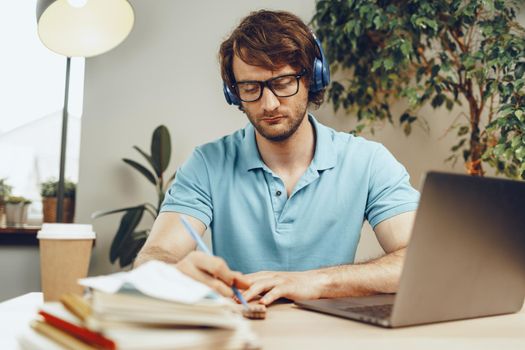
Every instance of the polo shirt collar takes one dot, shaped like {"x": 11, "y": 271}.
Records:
{"x": 251, "y": 158}
{"x": 324, "y": 156}
{"x": 325, "y": 153}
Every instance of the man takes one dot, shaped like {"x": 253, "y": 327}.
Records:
{"x": 285, "y": 197}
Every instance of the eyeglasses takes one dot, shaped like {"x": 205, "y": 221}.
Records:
{"x": 282, "y": 86}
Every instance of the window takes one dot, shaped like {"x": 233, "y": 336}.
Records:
{"x": 32, "y": 91}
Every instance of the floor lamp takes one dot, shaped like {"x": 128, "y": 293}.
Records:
{"x": 80, "y": 28}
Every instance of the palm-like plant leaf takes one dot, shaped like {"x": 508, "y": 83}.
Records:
{"x": 143, "y": 170}
{"x": 145, "y": 155}
{"x": 100, "y": 213}
{"x": 128, "y": 223}
{"x": 172, "y": 177}
{"x": 161, "y": 149}
{"x": 131, "y": 247}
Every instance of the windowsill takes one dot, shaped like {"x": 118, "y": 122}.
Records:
{"x": 22, "y": 235}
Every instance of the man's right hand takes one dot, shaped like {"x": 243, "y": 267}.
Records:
{"x": 212, "y": 271}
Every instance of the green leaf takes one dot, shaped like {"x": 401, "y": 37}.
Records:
{"x": 438, "y": 100}
{"x": 450, "y": 104}
{"x": 128, "y": 223}
{"x": 463, "y": 130}
{"x": 161, "y": 149}
{"x": 131, "y": 247}
{"x": 145, "y": 155}
{"x": 101, "y": 213}
{"x": 388, "y": 63}
{"x": 519, "y": 70}
{"x": 404, "y": 117}
{"x": 515, "y": 142}
{"x": 499, "y": 150}
{"x": 172, "y": 177}
{"x": 435, "y": 70}
{"x": 459, "y": 145}
{"x": 488, "y": 5}
{"x": 141, "y": 169}
{"x": 520, "y": 153}
{"x": 407, "y": 129}
{"x": 406, "y": 48}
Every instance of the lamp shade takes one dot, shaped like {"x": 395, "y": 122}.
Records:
{"x": 83, "y": 28}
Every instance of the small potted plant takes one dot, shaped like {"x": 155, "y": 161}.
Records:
{"x": 5, "y": 191}
{"x": 48, "y": 191}
{"x": 16, "y": 210}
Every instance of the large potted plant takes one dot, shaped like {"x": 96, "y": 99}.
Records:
{"x": 5, "y": 191}
{"x": 464, "y": 53}
{"x": 129, "y": 240}
{"x": 16, "y": 211}
{"x": 48, "y": 191}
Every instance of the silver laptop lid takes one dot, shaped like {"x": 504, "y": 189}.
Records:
{"x": 466, "y": 256}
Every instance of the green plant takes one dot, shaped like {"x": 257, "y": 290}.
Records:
{"x": 49, "y": 188}
{"x": 5, "y": 189}
{"x": 442, "y": 52}
{"x": 127, "y": 241}
{"x": 17, "y": 200}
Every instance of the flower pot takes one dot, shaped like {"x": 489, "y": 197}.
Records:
{"x": 16, "y": 214}
{"x": 50, "y": 209}
{"x": 2, "y": 213}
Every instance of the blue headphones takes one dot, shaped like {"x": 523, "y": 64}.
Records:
{"x": 319, "y": 80}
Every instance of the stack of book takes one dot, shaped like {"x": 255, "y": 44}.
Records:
{"x": 126, "y": 318}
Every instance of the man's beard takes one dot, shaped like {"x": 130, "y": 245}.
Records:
{"x": 291, "y": 125}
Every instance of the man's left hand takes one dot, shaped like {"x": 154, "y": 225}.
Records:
{"x": 291, "y": 285}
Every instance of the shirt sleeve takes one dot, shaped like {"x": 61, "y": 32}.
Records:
{"x": 389, "y": 191}
{"x": 190, "y": 192}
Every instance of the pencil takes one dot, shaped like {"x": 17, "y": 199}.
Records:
{"x": 197, "y": 238}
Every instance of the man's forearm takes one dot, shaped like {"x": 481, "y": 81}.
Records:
{"x": 155, "y": 253}
{"x": 377, "y": 276}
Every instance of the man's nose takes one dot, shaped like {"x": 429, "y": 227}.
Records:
{"x": 269, "y": 101}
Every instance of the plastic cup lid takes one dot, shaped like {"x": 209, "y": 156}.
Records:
{"x": 66, "y": 231}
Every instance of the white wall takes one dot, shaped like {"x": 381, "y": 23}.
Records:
{"x": 167, "y": 72}
{"x": 19, "y": 270}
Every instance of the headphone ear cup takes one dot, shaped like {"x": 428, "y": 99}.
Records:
{"x": 230, "y": 97}
{"x": 317, "y": 83}
{"x": 320, "y": 71}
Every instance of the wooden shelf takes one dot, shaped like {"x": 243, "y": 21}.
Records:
{"x": 23, "y": 235}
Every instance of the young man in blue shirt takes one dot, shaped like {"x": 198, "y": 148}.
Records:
{"x": 286, "y": 196}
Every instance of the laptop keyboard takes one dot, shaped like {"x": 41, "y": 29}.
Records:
{"x": 377, "y": 311}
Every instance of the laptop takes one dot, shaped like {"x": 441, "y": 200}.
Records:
{"x": 465, "y": 259}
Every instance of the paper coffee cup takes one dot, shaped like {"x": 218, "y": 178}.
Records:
{"x": 65, "y": 251}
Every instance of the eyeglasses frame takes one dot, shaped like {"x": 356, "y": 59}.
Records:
{"x": 266, "y": 83}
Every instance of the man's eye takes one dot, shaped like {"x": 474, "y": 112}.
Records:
{"x": 280, "y": 86}
{"x": 249, "y": 89}
{"x": 283, "y": 82}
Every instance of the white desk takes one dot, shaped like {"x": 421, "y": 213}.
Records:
{"x": 288, "y": 327}
{"x": 15, "y": 315}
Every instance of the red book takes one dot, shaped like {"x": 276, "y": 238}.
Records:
{"x": 84, "y": 334}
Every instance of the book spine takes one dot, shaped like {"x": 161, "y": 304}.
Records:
{"x": 81, "y": 333}
{"x": 60, "y": 337}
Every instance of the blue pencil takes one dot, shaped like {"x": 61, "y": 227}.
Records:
{"x": 197, "y": 238}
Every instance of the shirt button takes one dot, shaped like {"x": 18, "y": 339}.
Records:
{"x": 278, "y": 193}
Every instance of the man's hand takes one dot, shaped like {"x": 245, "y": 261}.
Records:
{"x": 291, "y": 285}
{"x": 212, "y": 271}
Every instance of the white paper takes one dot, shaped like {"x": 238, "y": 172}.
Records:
{"x": 155, "y": 279}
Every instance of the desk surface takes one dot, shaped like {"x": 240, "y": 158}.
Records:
{"x": 289, "y": 327}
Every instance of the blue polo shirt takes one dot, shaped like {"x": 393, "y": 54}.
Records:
{"x": 255, "y": 226}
